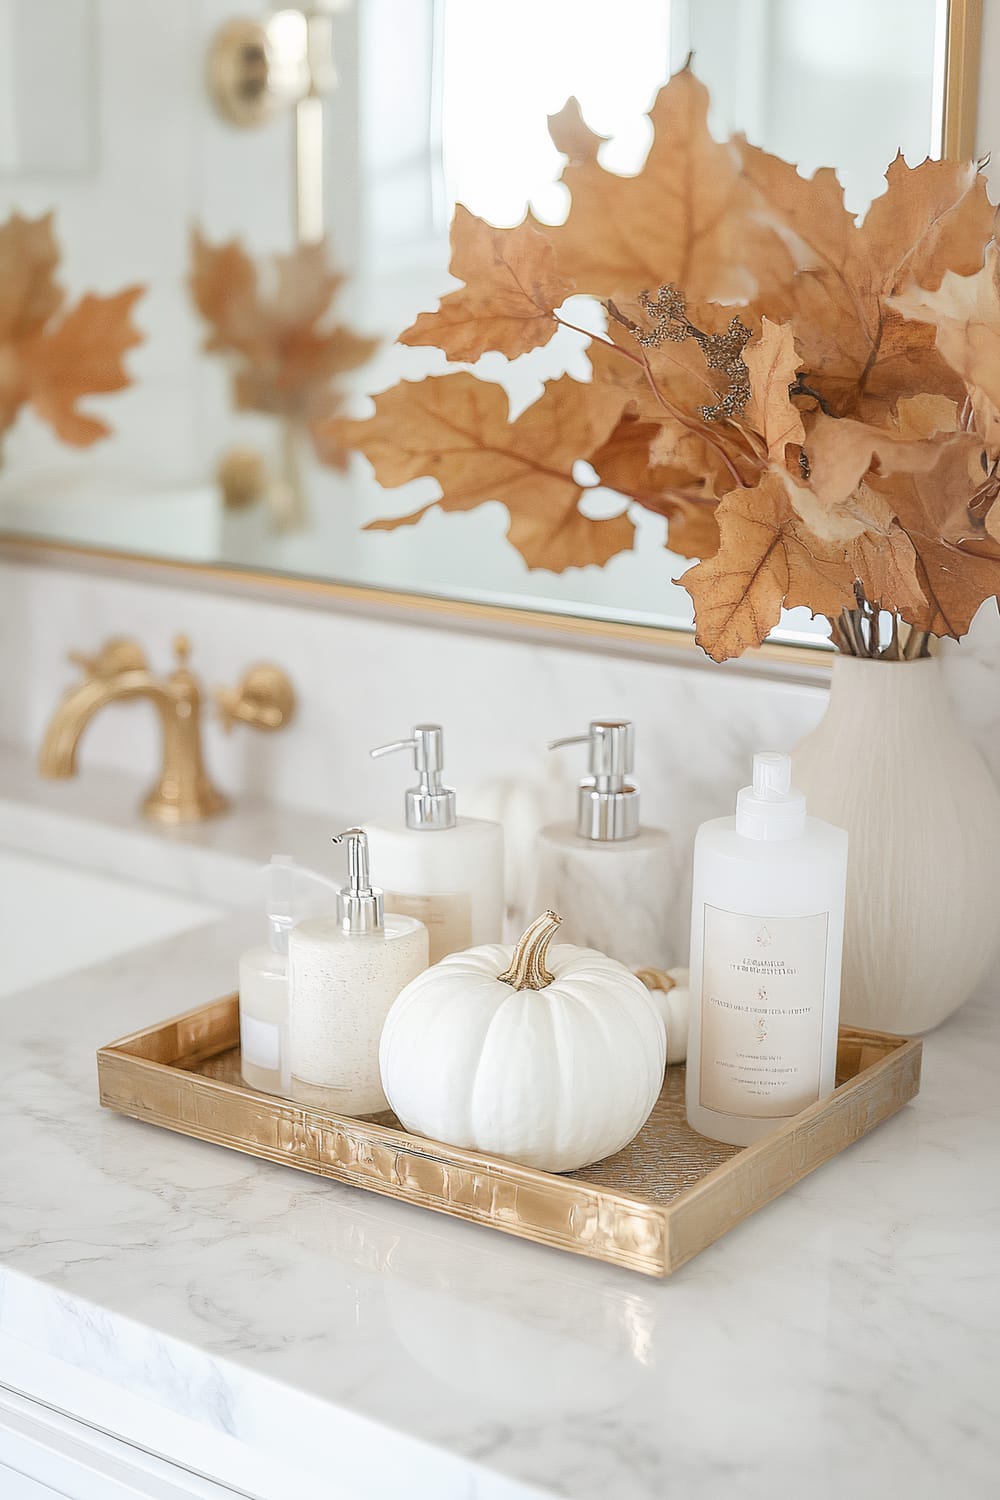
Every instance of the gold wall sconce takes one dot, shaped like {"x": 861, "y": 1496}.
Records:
{"x": 260, "y": 69}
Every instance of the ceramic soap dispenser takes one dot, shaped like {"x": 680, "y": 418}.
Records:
{"x": 446, "y": 870}
{"x": 344, "y": 974}
{"x": 610, "y": 878}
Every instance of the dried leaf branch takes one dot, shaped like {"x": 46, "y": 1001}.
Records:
{"x": 831, "y": 441}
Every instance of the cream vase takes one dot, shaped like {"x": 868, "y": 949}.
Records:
{"x": 890, "y": 763}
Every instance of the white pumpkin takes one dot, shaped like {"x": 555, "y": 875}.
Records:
{"x": 672, "y": 998}
{"x": 554, "y": 1067}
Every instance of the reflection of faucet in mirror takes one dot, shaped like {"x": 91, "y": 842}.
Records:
{"x": 119, "y": 672}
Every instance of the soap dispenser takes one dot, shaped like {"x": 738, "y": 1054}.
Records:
{"x": 446, "y": 870}
{"x": 767, "y": 928}
{"x": 289, "y": 890}
{"x": 609, "y": 877}
{"x": 344, "y": 974}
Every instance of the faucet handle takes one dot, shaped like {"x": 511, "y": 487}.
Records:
{"x": 115, "y": 656}
{"x": 264, "y": 699}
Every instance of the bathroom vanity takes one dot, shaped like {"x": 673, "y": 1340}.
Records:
{"x": 181, "y": 1320}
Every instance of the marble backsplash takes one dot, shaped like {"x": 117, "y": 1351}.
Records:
{"x": 364, "y": 681}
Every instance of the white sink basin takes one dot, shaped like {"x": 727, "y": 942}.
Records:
{"x": 55, "y": 919}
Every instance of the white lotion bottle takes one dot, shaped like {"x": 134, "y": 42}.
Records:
{"x": 444, "y": 869}
{"x": 263, "y": 975}
{"x": 344, "y": 974}
{"x": 609, "y": 878}
{"x": 767, "y": 929}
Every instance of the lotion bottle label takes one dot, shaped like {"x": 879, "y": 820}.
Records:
{"x": 761, "y": 1012}
{"x": 260, "y": 1043}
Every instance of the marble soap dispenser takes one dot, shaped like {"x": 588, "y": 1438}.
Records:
{"x": 344, "y": 974}
{"x": 609, "y": 877}
{"x": 445, "y": 869}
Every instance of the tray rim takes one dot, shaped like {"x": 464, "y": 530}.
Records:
{"x": 901, "y": 1056}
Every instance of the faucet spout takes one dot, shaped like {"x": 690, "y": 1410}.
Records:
{"x": 57, "y": 757}
{"x": 118, "y": 674}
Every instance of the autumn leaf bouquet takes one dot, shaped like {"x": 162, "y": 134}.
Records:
{"x": 812, "y": 403}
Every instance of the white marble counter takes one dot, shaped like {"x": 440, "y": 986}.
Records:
{"x": 305, "y": 1341}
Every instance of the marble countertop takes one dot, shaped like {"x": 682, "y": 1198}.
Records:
{"x": 305, "y": 1341}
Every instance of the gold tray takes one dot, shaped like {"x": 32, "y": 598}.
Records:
{"x": 650, "y": 1208}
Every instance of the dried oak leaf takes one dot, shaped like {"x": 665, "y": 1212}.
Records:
{"x": 54, "y": 365}
{"x": 455, "y": 429}
{"x": 958, "y": 559}
{"x": 841, "y": 452}
{"x": 29, "y": 293}
{"x": 926, "y": 415}
{"x": 856, "y": 347}
{"x": 964, "y": 313}
{"x": 286, "y": 349}
{"x": 767, "y": 558}
{"x": 773, "y": 363}
{"x": 571, "y": 134}
{"x": 885, "y": 562}
{"x": 689, "y": 217}
{"x": 81, "y": 355}
{"x": 680, "y": 493}
{"x": 512, "y": 288}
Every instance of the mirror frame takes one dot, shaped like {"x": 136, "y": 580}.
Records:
{"x": 808, "y": 664}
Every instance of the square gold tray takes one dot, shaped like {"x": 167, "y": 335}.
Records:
{"x": 650, "y": 1208}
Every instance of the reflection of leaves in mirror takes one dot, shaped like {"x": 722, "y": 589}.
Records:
{"x": 455, "y": 428}
{"x": 274, "y": 324}
{"x": 52, "y": 358}
{"x": 833, "y": 444}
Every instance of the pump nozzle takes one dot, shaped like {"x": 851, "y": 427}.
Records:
{"x": 360, "y": 905}
{"x": 431, "y": 804}
{"x": 770, "y": 808}
{"x": 608, "y": 803}
{"x": 772, "y": 775}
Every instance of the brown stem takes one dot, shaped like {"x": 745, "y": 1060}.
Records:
{"x": 527, "y": 966}
{"x": 800, "y": 388}
{"x": 917, "y": 644}
{"x": 839, "y": 636}
{"x": 892, "y": 652}
{"x": 656, "y": 979}
{"x": 672, "y": 411}
{"x": 589, "y": 333}
{"x": 691, "y": 426}
{"x": 850, "y": 627}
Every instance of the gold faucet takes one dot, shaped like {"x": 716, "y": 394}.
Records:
{"x": 264, "y": 699}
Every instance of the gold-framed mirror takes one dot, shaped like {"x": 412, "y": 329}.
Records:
{"x": 392, "y": 111}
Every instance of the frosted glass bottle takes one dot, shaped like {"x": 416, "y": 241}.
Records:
{"x": 264, "y": 1020}
{"x": 767, "y": 928}
{"x": 344, "y": 974}
{"x": 444, "y": 869}
{"x": 263, "y": 975}
{"x": 609, "y": 878}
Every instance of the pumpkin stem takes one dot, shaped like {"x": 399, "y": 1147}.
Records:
{"x": 656, "y": 979}
{"x": 527, "y": 967}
